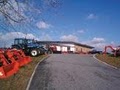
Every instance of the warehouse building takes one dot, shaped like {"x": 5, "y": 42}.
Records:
{"x": 66, "y": 46}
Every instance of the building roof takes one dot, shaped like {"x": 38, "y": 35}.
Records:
{"x": 64, "y": 42}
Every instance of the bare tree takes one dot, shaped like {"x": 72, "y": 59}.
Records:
{"x": 10, "y": 10}
{"x": 22, "y": 13}
{"x": 13, "y": 10}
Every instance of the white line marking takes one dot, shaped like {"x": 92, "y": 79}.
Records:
{"x": 29, "y": 83}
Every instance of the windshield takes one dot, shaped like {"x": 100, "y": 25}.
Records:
{"x": 30, "y": 41}
{"x": 19, "y": 41}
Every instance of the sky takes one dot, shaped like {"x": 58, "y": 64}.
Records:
{"x": 91, "y": 22}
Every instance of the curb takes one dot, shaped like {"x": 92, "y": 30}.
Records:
{"x": 30, "y": 80}
{"x": 94, "y": 56}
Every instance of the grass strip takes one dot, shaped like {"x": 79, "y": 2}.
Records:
{"x": 114, "y": 61}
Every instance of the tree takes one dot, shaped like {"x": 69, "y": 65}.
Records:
{"x": 19, "y": 12}
{"x": 13, "y": 10}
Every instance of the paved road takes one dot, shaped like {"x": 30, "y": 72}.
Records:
{"x": 75, "y": 72}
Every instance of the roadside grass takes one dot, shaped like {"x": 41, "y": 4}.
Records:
{"x": 20, "y": 80}
{"x": 114, "y": 61}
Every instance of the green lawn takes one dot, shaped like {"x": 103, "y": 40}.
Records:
{"x": 20, "y": 80}
{"x": 114, "y": 61}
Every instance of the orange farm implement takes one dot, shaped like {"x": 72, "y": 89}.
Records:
{"x": 11, "y": 60}
{"x": 115, "y": 51}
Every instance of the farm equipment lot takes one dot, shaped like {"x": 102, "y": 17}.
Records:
{"x": 19, "y": 81}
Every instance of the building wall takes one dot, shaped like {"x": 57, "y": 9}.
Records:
{"x": 64, "y": 49}
{"x": 81, "y": 49}
{"x": 58, "y": 48}
{"x": 72, "y": 48}
{"x": 69, "y": 48}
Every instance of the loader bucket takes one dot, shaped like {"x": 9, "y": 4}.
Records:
{"x": 23, "y": 61}
{"x": 27, "y": 59}
{"x": 17, "y": 55}
{"x": 20, "y": 54}
{"x": 14, "y": 57}
{"x": 7, "y": 69}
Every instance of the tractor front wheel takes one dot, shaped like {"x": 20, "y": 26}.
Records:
{"x": 34, "y": 53}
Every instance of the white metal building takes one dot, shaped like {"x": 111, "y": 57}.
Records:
{"x": 67, "y": 46}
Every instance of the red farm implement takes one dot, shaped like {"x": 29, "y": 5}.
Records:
{"x": 19, "y": 56}
{"x": 10, "y": 61}
{"x": 115, "y": 51}
{"x": 7, "y": 68}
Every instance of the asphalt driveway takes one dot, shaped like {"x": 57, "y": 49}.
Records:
{"x": 74, "y": 72}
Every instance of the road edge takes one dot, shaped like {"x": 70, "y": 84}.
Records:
{"x": 30, "y": 80}
{"x": 94, "y": 56}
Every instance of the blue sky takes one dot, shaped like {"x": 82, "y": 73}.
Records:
{"x": 92, "y": 22}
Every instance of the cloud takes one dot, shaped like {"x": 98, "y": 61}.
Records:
{"x": 69, "y": 38}
{"x": 8, "y": 38}
{"x": 96, "y": 40}
{"x": 43, "y": 25}
{"x": 91, "y": 16}
{"x": 45, "y": 37}
{"x": 81, "y": 31}
{"x": 98, "y": 43}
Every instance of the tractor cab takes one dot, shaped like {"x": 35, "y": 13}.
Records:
{"x": 23, "y": 41}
